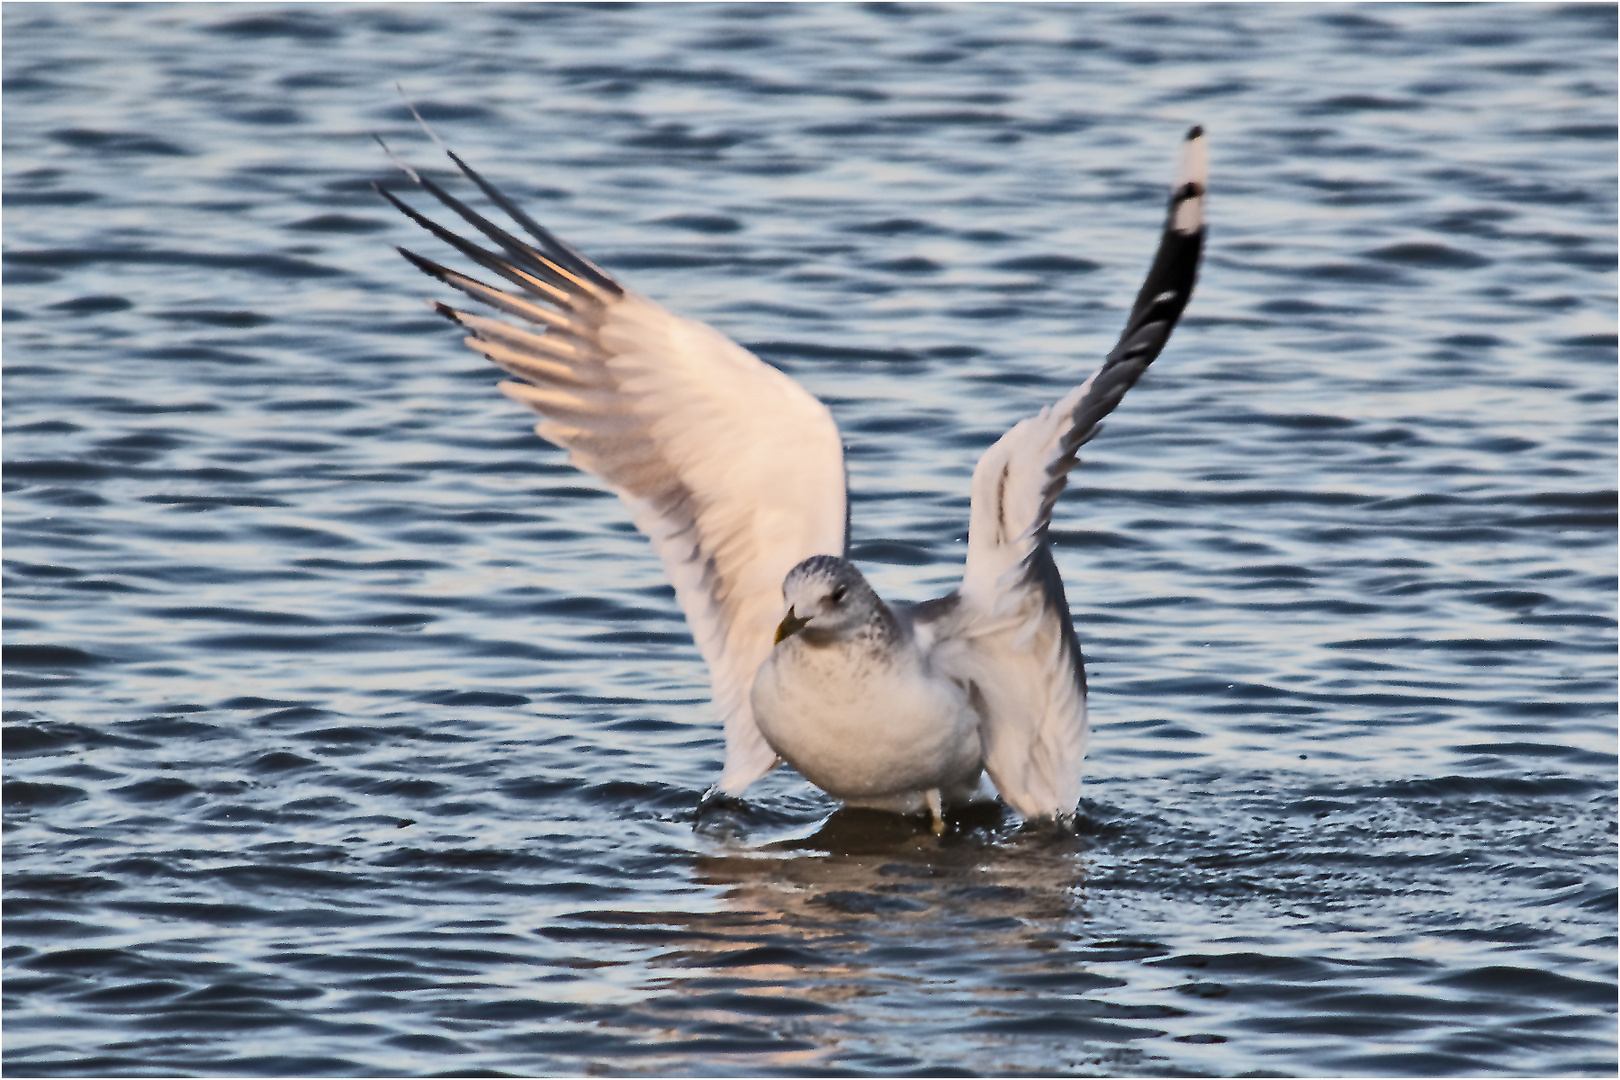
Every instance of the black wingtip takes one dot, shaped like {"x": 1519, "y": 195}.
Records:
{"x": 427, "y": 266}
{"x": 447, "y": 311}
{"x": 1170, "y": 279}
{"x": 555, "y": 248}
{"x": 391, "y": 197}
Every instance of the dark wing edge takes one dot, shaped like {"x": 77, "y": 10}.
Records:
{"x": 1016, "y": 637}
{"x": 1158, "y": 307}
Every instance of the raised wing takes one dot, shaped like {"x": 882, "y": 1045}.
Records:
{"x": 729, "y": 467}
{"x": 1012, "y": 635}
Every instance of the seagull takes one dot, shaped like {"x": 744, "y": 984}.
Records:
{"x": 736, "y": 475}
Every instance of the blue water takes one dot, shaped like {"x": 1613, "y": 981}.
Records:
{"x": 350, "y": 732}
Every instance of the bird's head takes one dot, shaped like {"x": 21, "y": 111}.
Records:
{"x": 826, "y": 597}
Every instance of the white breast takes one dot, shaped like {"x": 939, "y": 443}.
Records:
{"x": 866, "y": 724}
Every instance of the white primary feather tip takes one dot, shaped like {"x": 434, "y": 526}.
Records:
{"x": 1187, "y": 197}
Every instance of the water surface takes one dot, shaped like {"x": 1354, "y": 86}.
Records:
{"x": 351, "y": 732}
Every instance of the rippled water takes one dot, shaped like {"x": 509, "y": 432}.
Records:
{"x": 350, "y": 732}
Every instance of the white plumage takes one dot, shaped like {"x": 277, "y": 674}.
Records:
{"x": 736, "y": 475}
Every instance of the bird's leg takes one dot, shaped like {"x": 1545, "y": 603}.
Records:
{"x": 936, "y": 812}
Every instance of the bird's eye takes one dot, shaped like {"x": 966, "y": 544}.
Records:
{"x": 838, "y": 595}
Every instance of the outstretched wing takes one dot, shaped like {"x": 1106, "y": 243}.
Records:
{"x": 1012, "y": 636}
{"x": 729, "y": 467}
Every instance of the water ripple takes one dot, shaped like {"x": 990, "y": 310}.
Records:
{"x": 351, "y": 731}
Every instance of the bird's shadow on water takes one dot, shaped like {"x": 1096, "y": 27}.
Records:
{"x": 986, "y": 867}
{"x": 852, "y": 830}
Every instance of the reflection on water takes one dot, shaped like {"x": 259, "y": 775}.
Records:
{"x": 872, "y": 916}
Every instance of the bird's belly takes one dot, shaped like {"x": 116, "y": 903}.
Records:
{"x": 870, "y": 732}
